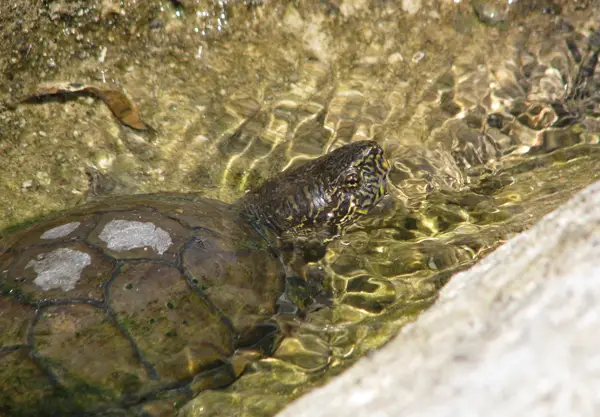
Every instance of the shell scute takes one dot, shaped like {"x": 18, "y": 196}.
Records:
{"x": 64, "y": 270}
{"x": 176, "y": 330}
{"x": 84, "y": 349}
{"x": 57, "y": 230}
{"x": 139, "y": 235}
{"x": 239, "y": 276}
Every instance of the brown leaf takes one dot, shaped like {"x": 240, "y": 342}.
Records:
{"x": 118, "y": 103}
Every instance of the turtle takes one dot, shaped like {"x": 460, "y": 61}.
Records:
{"x": 132, "y": 305}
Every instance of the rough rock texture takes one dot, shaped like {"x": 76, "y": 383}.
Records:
{"x": 515, "y": 335}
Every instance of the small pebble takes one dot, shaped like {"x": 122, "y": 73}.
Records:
{"x": 395, "y": 58}
{"x": 102, "y": 55}
{"x": 418, "y": 57}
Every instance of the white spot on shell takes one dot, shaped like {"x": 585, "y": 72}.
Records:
{"x": 60, "y": 231}
{"x": 121, "y": 235}
{"x": 60, "y": 268}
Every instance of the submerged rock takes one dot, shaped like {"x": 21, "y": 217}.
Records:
{"x": 514, "y": 335}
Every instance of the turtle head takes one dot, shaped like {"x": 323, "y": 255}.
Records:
{"x": 325, "y": 193}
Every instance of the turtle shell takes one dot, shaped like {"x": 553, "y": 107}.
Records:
{"x": 118, "y": 306}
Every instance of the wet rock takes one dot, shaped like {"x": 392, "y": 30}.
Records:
{"x": 514, "y": 335}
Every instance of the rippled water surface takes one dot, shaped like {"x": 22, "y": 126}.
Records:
{"x": 489, "y": 118}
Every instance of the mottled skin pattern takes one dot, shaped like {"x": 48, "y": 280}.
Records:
{"x": 128, "y": 306}
{"x": 314, "y": 195}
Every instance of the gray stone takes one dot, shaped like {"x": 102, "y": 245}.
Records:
{"x": 515, "y": 335}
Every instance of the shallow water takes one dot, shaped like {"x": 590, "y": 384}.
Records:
{"x": 487, "y": 128}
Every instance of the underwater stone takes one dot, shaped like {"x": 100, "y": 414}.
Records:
{"x": 122, "y": 235}
{"x": 60, "y": 231}
{"x": 60, "y": 268}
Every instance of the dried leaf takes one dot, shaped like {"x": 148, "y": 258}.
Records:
{"x": 118, "y": 103}
{"x": 121, "y": 107}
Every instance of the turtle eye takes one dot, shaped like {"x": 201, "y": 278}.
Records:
{"x": 351, "y": 180}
